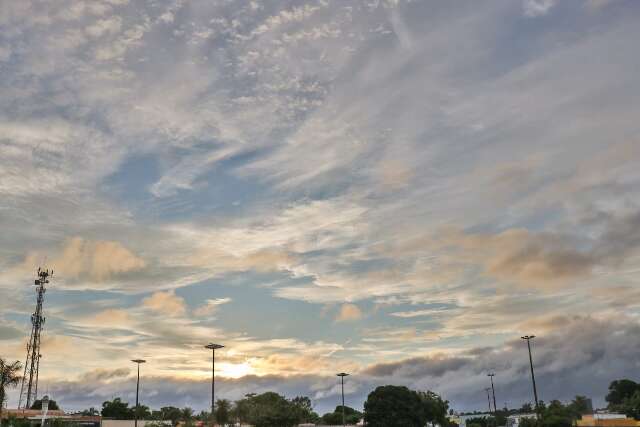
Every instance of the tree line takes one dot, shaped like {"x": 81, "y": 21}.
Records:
{"x": 386, "y": 406}
{"x": 623, "y": 397}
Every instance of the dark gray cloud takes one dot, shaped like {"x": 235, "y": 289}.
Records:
{"x": 418, "y": 367}
{"x": 620, "y": 238}
{"x": 104, "y": 375}
{"x": 581, "y": 355}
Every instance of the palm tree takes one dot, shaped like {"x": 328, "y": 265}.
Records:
{"x": 223, "y": 408}
{"x": 9, "y": 377}
{"x": 187, "y": 415}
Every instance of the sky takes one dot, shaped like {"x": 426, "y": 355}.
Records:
{"x": 394, "y": 189}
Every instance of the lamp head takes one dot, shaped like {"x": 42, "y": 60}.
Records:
{"x": 138, "y": 361}
{"x": 342, "y": 374}
{"x": 212, "y": 346}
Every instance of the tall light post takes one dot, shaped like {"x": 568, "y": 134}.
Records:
{"x": 213, "y": 347}
{"x": 342, "y": 375}
{"x": 528, "y": 339}
{"x": 493, "y": 390}
{"x": 138, "y": 362}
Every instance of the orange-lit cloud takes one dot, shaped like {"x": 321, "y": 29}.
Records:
{"x": 348, "y": 312}
{"x": 86, "y": 259}
{"x": 166, "y": 302}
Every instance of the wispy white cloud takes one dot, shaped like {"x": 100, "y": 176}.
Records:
{"x": 210, "y": 305}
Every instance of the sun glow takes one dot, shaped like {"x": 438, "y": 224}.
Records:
{"x": 236, "y": 370}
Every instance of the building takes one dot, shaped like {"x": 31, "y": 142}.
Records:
{"x": 607, "y": 420}
{"x": 131, "y": 423}
{"x": 34, "y": 416}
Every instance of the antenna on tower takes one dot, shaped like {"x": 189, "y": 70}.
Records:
{"x": 29, "y": 387}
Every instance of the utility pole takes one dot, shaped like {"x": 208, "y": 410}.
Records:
{"x": 528, "y": 339}
{"x": 138, "y": 362}
{"x": 213, "y": 347}
{"x": 488, "y": 398}
{"x": 495, "y": 408}
{"x": 342, "y": 375}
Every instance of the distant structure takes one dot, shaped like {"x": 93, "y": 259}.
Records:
{"x": 29, "y": 387}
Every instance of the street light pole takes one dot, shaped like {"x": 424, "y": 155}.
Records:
{"x": 138, "y": 362}
{"x": 342, "y": 375}
{"x": 495, "y": 408}
{"x": 213, "y": 347}
{"x": 528, "y": 339}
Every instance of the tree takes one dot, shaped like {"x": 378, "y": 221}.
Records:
{"x": 528, "y": 422}
{"x": 557, "y": 415}
{"x": 631, "y": 406}
{"x": 331, "y": 419}
{"x": 91, "y": 412}
{"x": 334, "y": 418}
{"x": 394, "y": 406}
{"x": 117, "y": 409}
{"x": 435, "y": 408}
{"x": 478, "y": 422}
{"x": 271, "y": 410}
{"x": 222, "y": 411}
{"x": 171, "y": 413}
{"x": 619, "y": 390}
{"x": 526, "y": 408}
{"x": 204, "y": 416}
{"x": 240, "y": 411}
{"x": 186, "y": 414}
{"x": 142, "y": 412}
{"x": 304, "y": 408}
{"x": 9, "y": 377}
{"x": 53, "y": 405}
{"x": 580, "y": 406}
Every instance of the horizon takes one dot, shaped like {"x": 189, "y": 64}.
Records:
{"x": 394, "y": 189}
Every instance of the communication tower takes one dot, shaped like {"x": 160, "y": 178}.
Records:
{"x": 29, "y": 387}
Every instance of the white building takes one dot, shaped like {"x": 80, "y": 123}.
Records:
{"x": 514, "y": 420}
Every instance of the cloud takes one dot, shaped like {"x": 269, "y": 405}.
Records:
{"x": 534, "y": 8}
{"x": 418, "y": 313}
{"x": 544, "y": 260}
{"x": 581, "y": 355}
{"x": 10, "y": 332}
{"x": 268, "y": 259}
{"x": 434, "y": 366}
{"x": 348, "y": 312}
{"x": 309, "y": 160}
{"x": 104, "y": 375}
{"x": 599, "y": 4}
{"x": 167, "y": 303}
{"x": 80, "y": 261}
{"x": 95, "y": 260}
{"x": 110, "y": 318}
{"x": 5, "y": 53}
{"x": 105, "y": 26}
{"x": 210, "y": 306}
{"x": 572, "y": 355}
